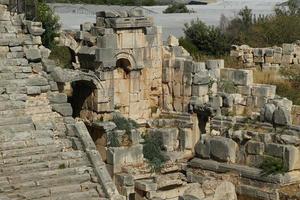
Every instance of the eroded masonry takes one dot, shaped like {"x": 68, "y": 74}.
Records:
{"x": 81, "y": 133}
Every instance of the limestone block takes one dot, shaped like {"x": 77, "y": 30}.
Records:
{"x": 33, "y": 90}
{"x": 124, "y": 179}
{"x": 225, "y": 191}
{"x": 287, "y": 49}
{"x": 145, "y": 185}
{"x": 134, "y": 136}
{"x": 258, "y": 52}
{"x": 121, "y": 156}
{"x": 256, "y": 148}
{"x": 107, "y": 41}
{"x": 193, "y": 192}
{"x": 199, "y": 90}
{"x": 262, "y": 90}
{"x": 168, "y": 136}
{"x": 35, "y": 28}
{"x": 237, "y": 76}
{"x": 37, "y": 81}
{"x": 199, "y": 67}
{"x": 291, "y": 158}
{"x": 86, "y": 26}
{"x": 199, "y": 101}
{"x": 33, "y": 55}
{"x": 202, "y": 149}
{"x": 244, "y": 89}
{"x": 282, "y": 116}
{"x": 186, "y": 138}
{"x": 254, "y": 160}
{"x": 64, "y": 109}
{"x": 267, "y": 113}
{"x": 57, "y": 98}
{"x": 223, "y": 149}
{"x": 172, "y": 41}
{"x": 104, "y": 54}
{"x": 214, "y": 64}
{"x": 3, "y": 51}
{"x": 287, "y": 59}
{"x": 276, "y": 150}
{"x": 201, "y": 78}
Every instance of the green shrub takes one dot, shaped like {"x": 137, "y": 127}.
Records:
{"x": 209, "y": 40}
{"x": 152, "y": 152}
{"x": 227, "y": 86}
{"x": 113, "y": 140}
{"x": 50, "y": 23}
{"x": 177, "y": 8}
{"x": 272, "y": 165}
{"x": 123, "y": 123}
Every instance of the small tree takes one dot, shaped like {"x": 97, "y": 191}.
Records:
{"x": 50, "y": 23}
{"x": 177, "y": 8}
{"x": 208, "y": 39}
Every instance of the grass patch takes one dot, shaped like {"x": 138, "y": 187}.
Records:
{"x": 153, "y": 153}
{"x": 123, "y": 123}
{"x": 272, "y": 165}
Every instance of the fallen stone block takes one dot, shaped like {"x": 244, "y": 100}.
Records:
{"x": 145, "y": 185}
{"x": 64, "y": 109}
{"x": 223, "y": 149}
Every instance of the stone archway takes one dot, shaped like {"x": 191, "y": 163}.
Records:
{"x": 82, "y": 99}
{"x": 122, "y": 86}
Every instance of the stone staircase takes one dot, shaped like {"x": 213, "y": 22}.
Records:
{"x": 42, "y": 153}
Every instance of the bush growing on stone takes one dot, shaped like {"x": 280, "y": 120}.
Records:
{"x": 123, "y": 123}
{"x": 177, "y": 8}
{"x": 272, "y": 165}
{"x": 50, "y": 23}
{"x": 153, "y": 153}
{"x": 227, "y": 86}
{"x": 113, "y": 140}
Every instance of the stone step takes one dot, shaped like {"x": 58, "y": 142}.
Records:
{"x": 26, "y": 143}
{"x": 29, "y": 151}
{"x": 11, "y": 105}
{"x": 87, "y": 195}
{"x": 4, "y": 121}
{"x": 10, "y": 162}
{"x": 35, "y": 176}
{"x": 26, "y": 135}
{"x": 44, "y": 166}
{"x": 8, "y": 129}
{"x": 35, "y": 186}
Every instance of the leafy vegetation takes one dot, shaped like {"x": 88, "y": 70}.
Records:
{"x": 50, "y": 23}
{"x": 272, "y": 165}
{"x": 123, "y": 123}
{"x": 177, "y": 8}
{"x": 152, "y": 152}
{"x": 227, "y": 86}
{"x": 246, "y": 28}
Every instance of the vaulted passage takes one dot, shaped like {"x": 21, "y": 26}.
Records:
{"x": 81, "y": 98}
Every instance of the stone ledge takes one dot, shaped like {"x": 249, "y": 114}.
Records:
{"x": 246, "y": 172}
{"x": 99, "y": 166}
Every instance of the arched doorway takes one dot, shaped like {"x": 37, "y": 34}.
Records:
{"x": 122, "y": 86}
{"x": 82, "y": 99}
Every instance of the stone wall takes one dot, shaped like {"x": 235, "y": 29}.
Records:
{"x": 269, "y": 57}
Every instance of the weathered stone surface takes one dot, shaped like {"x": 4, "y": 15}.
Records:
{"x": 256, "y": 148}
{"x": 282, "y": 116}
{"x": 145, "y": 185}
{"x": 225, "y": 191}
{"x": 193, "y": 192}
{"x": 223, "y": 149}
{"x": 33, "y": 55}
{"x": 64, "y": 109}
{"x": 173, "y": 41}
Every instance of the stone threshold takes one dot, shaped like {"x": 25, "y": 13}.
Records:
{"x": 246, "y": 172}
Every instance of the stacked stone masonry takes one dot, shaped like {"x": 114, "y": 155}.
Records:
{"x": 269, "y": 57}
{"x": 42, "y": 149}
